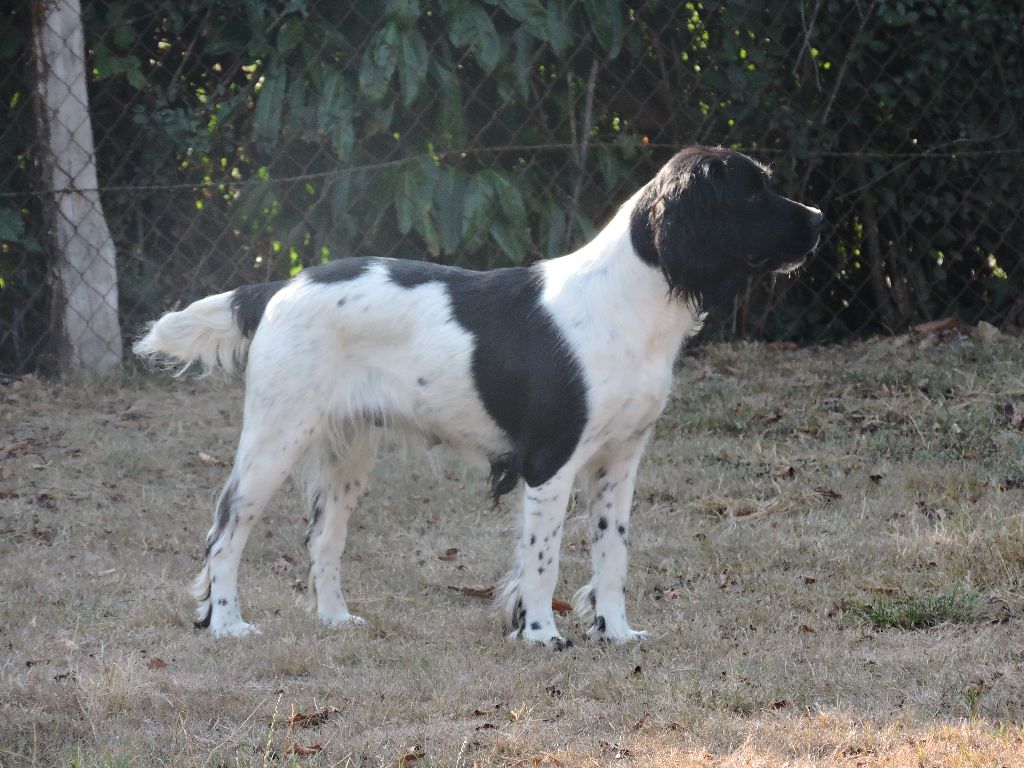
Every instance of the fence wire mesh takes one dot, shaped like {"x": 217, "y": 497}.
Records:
{"x": 236, "y": 141}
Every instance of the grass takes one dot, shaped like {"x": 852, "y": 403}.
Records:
{"x": 921, "y": 612}
{"x": 828, "y": 549}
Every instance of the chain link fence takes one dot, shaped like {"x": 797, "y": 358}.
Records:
{"x": 236, "y": 141}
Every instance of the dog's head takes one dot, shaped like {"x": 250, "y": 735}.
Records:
{"x": 709, "y": 220}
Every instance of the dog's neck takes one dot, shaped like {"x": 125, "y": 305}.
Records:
{"x": 606, "y": 285}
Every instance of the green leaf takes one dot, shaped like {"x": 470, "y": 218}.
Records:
{"x": 608, "y": 24}
{"x": 451, "y": 126}
{"x": 404, "y": 12}
{"x": 556, "y": 230}
{"x": 514, "y": 207}
{"x": 512, "y": 241}
{"x": 12, "y": 226}
{"x": 412, "y": 68}
{"x": 476, "y": 206}
{"x": 133, "y": 73}
{"x": 559, "y": 34}
{"x": 449, "y": 193}
{"x": 405, "y": 211}
{"x": 428, "y": 232}
{"x": 290, "y": 35}
{"x": 269, "y": 106}
{"x": 531, "y": 13}
{"x": 470, "y": 26}
{"x": 340, "y": 196}
{"x": 343, "y": 133}
{"x": 334, "y": 113}
{"x": 379, "y": 62}
{"x": 525, "y": 50}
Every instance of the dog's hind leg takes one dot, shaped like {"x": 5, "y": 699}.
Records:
{"x": 610, "y": 481}
{"x": 527, "y": 591}
{"x": 337, "y": 484}
{"x": 267, "y": 451}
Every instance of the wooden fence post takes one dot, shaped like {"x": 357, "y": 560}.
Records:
{"x": 84, "y": 269}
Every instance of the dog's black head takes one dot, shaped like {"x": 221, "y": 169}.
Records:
{"x": 709, "y": 220}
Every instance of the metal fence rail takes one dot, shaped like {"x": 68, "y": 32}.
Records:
{"x": 238, "y": 141}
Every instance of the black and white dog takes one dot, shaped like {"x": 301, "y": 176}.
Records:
{"x": 553, "y": 372}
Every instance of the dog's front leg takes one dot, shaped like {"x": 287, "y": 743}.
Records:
{"x": 528, "y": 589}
{"x": 610, "y": 481}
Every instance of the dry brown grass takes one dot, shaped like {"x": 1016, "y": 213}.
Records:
{"x": 789, "y": 500}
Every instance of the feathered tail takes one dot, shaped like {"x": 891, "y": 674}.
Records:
{"x": 205, "y": 332}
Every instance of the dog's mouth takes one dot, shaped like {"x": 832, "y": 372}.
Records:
{"x": 792, "y": 266}
{"x": 788, "y": 269}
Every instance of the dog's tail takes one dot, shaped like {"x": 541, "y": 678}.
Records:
{"x": 213, "y": 332}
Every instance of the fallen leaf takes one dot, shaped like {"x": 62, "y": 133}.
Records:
{"x": 671, "y": 593}
{"x": 935, "y": 326}
{"x": 828, "y": 493}
{"x": 449, "y": 554}
{"x": 882, "y": 590}
{"x": 283, "y": 566}
{"x": 491, "y": 711}
{"x": 412, "y": 757}
{"x": 724, "y": 582}
{"x": 210, "y": 461}
{"x": 301, "y": 751}
{"x": 133, "y": 412}
{"x": 156, "y": 663}
{"x": 618, "y": 752}
{"x": 1014, "y": 417}
{"x": 487, "y": 593}
{"x": 561, "y": 607}
{"x": 314, "y": 718}
{"x": 12, "y": 448}
{"x": 809, "y": 579}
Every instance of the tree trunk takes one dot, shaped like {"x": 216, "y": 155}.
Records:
{"x": 84, "y": 270}
{"x": 872, "y": 244}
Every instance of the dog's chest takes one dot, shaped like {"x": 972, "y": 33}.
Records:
{"x": 627, "y": 399}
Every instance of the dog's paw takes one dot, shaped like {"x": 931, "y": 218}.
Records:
{"x": 551, "y": 641}
{"x": 341, "y": 620}
{"x": 615, "y": 632}
{"x": 234, "y": 629}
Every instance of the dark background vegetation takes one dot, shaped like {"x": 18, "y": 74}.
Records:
{"x": 239, "y": 141}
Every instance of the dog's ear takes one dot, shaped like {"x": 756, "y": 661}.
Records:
{"x": 681, "y": 225}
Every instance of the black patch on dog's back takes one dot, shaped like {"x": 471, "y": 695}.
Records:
{"x": 339, "y": 271}
{"x": 249, "y": 302}
{"x": 528, "y": 379}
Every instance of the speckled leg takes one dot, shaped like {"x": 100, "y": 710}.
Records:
{"x": 528, "y": 589}
{"x": 342, "y": 481}
{"x": 610, "y": 483}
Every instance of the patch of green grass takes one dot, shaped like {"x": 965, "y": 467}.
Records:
{"x": 953, "y": 606}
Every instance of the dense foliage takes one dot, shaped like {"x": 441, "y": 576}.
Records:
{"x": 241, "y": 139}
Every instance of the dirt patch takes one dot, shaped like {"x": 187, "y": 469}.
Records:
{"x": 827, "y": 548}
